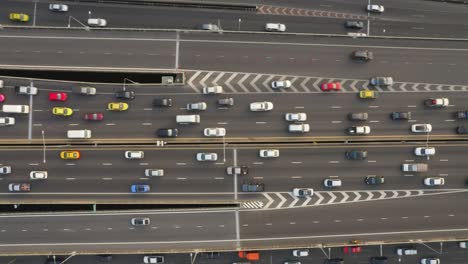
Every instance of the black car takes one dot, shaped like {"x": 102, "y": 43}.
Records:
{"x": 379, "y": 260}
{"x": 104, "y": 258}
{"x": 167, "y": 132}
{"x": 162, "y": 102}
{"x": 462, "y": 130}
{"x": 334, "y": 261}
{"x": 356, "y": 154}
{"x": 127, "y": 95}
{"x": 358, "y": 116}
{"x": 253, "y": 187}
{"x": 401, "y": 115}
{"x": 374, "y": 180}
{"x": 354, "y": 24}
{"x": 226, "y": 101}
{"x": 210, "y": 255}
{"x": 362, "y": 55}
{"x": 461, "y": 114}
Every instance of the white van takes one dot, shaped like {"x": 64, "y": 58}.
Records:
{"x": 188, "y": 119}
{"x": 16, "y": 109}
{"x": 80, "y": 134}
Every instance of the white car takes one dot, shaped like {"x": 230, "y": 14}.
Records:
{"x": 214, "y": 132}
{"x": 26, "y": 90}
{"x": 154, "y": 172}
{"x": 38, "y": 175}
{"x": 300, "y": 252}
{"x": 295, "y": 117}
{"x": 261, "y": 106}
{"x": 5, "y": 169}
{"x": 153, "y": 259}
{"x": 58, "y": 7}
{"x": 97, "y": 22}
{"x": 375, "y": 8}
{"x": 203, "y": 156}
{"x": 330, "y": 183}
{"x": 430, "y": 261}
{"x": 434, "y": 181}
{"x": 299, "y": 128}
{"x": 134, "y": 154}
{"x": 213, "y": 90}
{"x": 424, "y": 151}
{"x": 303, "y": 192}
{"x": 280, "y": 84}
{"x": 421, "y": 128}
{"x": 200, "y": 106}
{"x": 359, "y": 130}
{"x": 268, "y": 153}
{"x": 463, "y": 244}
{"x": 275, "y": 27}
{"x": 7, "y": 121}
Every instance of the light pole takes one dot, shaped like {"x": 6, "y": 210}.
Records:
{"x": 69, "y": 257}
{"x": 125, "y": 82}
{"x": 238, "y": 25}
{"x": 193, "y": 256}
{"x": 89, "y": 14}
{"x": 224, "y": 148}
{"x": 44, "y": 146}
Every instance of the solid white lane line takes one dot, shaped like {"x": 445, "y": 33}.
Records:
{"x": 181, "y": 163}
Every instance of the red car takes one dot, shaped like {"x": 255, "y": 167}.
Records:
{"x": 353, "y": 249}
{"x": 62, "y": 97}
{"x": 93, "y": 116}
{"x": 328, "y": 86}
{"x": 2, "y": 98}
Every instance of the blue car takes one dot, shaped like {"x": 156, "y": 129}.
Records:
{"x": 140, "y": 188}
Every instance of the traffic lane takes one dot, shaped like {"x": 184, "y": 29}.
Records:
{"x": 366, "y": 221}
{"x": 404, "y": 64}
{"x": 417, "y": 29}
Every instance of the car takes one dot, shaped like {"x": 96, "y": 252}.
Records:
{"x": 358, "y": 116}
{"x": 167, "y": 132}
{"x": 206, "y": 156}
{"x": 303, "y": 192}
{"x": 430, "y": 260}
{"x": 239, "y": 170}
{"x": 213, "y": 89}
{"x": 463, "y": 244}
{"x": 7, "y": 121}
{"x": 379, "y": 260}
{"x": 357, "y": 34}
{"x": 434, "y": 181}
{"x": 368, "y": 94}
{"x": 381, "y": 81}
{"x": 2, "y": 98}
{"x": 200, "y": 106}
{"x": 299, "y": 128}
{"x": 214, "y": 132}
{"x": 140, "y": 221}
{"x": 375, "y": 8}
{"x": 20, "y": 17}
{"x": 436, "y": 102}
{"x": 97, "y": 22}
{"x": 354, "y": 24}
{"x": 134, "y": 154}
{"x": 421, "y": 128}
{"x": 249, "y": 255}
{"x": 461, "y": 114}
{"x": 400, "y": 115}
{"x": 38, "y": 175}
{"x": 332, "y": 182}
{"x": 26, "y": 90}
{"x": 356, "y": 154}
{"x": 359, "y": 130}
{"x": 58, "y": 7}
{"x": 362, "y": 55}
{"x": 275, "y": 27}
{"x": 269, "y": 153}
{"x": 1, "y": 83}
{"x": 281, "y": 84}
{"x": 154, "y": 172}
{"x": 414, "y": 167}
{"x": 153, "y": 259}
{"x": 103, "y": 258}
{"x": 330, "y": 86}
{"x": 352, "y": 249}
{"x": 295, "y": 117}
{"x": 374, "y": 180}
{"x": 253, "y": 187}
{"x": 117, "y": 106}
{"x": 86, "y": 90}
{"x": 70, "y": 154}
{"x": 126, "y": 95}
{"x": 5, "y": 169}
{"x": 406, "y": 251}
{"x": 162, "y": 102}
{"x": 211, "y": 255}
{"x": 140, "y": 188}
{"x": 209, "y": 27}
{"x": 261, "y": 106}
{"x": 226, "y": 101}
{"x": 334, "y": 261}
{"x": 19, "y": 187}
{"x": 424, "y": 151}
{"x": 93, "y": 116}
{"x": 58, "y": 96}
{"x": 461, "y": 130}
{"x": 62, "y": 111}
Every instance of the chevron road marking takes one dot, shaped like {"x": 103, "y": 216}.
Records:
{"x": 303, "y": 84}
{"x": 345, "y": 197}
{"x": 415, "y": 87}
{"x": 267, "y": 82}
{"x": 382, "y": 195}
{"x": 292, "y": 84}
{"x": 316, "y": 85}
{"x": 240, "y": 82}
{"x": 370, "y": 195}
{"x": 215, "y": 81}
{"x": 353, "y": 86}
{"x": 252, "y": 83}
{"x": 283, "y": 200}
{"x": 333, "y": 197}
{"x": 270, "y": 200}
{"x": 358, "y": 196}
{"x": 395, "y": 194}
{"x": 190, "y": 82}
{"x": 306, "y": 201}
{"x": 320, "y": 198}
{"x": 228, "y": 82}
{"x": 203, "y": 80}
{"x": 295, "y": 200}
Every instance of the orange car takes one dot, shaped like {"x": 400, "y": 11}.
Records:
{"x": 70, "y": 154}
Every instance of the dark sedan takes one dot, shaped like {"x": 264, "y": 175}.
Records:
{"x": 127, "y": 95}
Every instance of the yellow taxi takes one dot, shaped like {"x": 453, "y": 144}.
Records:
{"x": 70, "y": 154}
{"x": 117, "y": 106}
{"x": 368, "y": 94}
{"x": 19, "y": 17}
{"x": 62, "y": 111}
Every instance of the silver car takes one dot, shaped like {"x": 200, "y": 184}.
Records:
{"x": 154, "y": 172}
{"x": 295, "y": 117}
{"x": 5, "y": 169}
{"x": 421, "y": 128}
{"x": 268, "y": 153}
{"x": 203, "y": 156}
{"x": 199, "y": 106}
{"x": 214, "y": 132}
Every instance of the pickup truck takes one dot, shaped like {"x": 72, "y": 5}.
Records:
{"x": 19, "y": 187}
